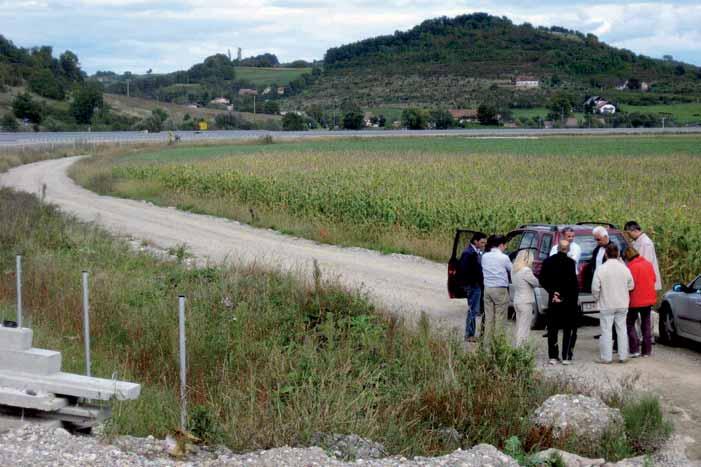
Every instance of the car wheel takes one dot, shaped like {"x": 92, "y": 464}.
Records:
{"x": 668, "y": 331}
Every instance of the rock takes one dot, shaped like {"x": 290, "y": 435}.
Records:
{"x": 570, "y": 460}
{"x": 583, "y": 417}
{"x": 349, "y": 446}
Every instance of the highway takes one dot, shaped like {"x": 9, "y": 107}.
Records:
{"x": 11, "y": 140}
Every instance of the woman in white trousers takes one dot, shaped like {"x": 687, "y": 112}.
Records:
{"x": 524, "y": 282}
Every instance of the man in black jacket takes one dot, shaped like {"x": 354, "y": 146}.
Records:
{"x": 472, "y": 281}
{"x": 559, "y": 277}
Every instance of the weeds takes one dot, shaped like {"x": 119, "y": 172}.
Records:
{"x": 272, "y": 360}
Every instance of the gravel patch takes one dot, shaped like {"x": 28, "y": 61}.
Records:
{"x": 38, "y": 446}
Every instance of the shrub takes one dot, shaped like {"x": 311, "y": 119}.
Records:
{"x": 9, "y": 123}
{"x": 414, "y": 119}
{"x": 24, "y": 106}
{"x": 291, "y": 121}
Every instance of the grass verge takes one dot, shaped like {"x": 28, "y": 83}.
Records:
{"x": 272, "y": 360}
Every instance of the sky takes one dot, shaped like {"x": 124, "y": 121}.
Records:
{"x": 169, "y": 35}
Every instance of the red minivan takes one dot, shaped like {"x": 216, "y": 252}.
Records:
{"x": 541, "y": 238}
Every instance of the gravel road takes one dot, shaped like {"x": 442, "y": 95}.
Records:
{"x": 403, "y": 284}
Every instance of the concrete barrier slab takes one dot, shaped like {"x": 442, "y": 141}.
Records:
{"x": 15, "y": 338}
{"x": 38, "y": 401}
{"x": 36, "y": 361}
{"x": 68, "y": 384}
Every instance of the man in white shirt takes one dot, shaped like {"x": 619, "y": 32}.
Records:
{"x": 496, "y": 269}
{"x": 645, "y": 247}
{"x": 611, "y": 288}
{"x": 575, "y": 250}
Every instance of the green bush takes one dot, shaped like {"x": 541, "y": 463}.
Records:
{"x": 9, "y": 123}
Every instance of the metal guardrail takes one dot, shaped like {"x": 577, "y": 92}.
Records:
{"x": 74, "y": 138}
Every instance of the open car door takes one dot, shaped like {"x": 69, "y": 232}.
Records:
{"x": 462, "y": 239}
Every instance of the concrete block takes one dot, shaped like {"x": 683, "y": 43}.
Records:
{"x": 15, "y": 338}
{"x": 37, "y": 401}
{"x": 68, "y": 384}
{"x": 35, "y": 361}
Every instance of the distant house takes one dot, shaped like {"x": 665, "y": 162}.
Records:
{"x": 605, "y": 108}
{"x": 571, "y": 122}
{"x": 267, "y": 90}
{"x": 548, "y": 124}
{"x": 247, "y": 92}
{"x": 464, "y": 115}
{"x": 220, "y": 101}
{"x": 525, "y": 81}
{"x": 193, "y": 106}
{"x": 645, "y": 86}
{"x": 599, "y": 105}
{"x": 280, "y": 91}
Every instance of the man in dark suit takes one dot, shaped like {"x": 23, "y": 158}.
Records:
{"x": 559, "y": 277}
{"x": 472, "y": 281}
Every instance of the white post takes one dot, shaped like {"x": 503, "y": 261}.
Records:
{"x": 183, "y": 367}
{"x": 19, "y": 291}
{"x": 86, "y": 323}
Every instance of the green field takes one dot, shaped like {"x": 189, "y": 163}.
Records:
{"x": 408, "y": 195}
{"x": 266, "y": 76}
{"x": 682, "y": 113}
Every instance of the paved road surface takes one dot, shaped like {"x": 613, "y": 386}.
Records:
{"x": 47, "y": 138}
{"x": 405, "y": 285}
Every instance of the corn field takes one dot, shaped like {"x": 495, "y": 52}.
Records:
{"x": 425, "y": 188}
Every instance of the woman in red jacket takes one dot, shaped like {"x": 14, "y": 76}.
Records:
{"x": 642, "y": 298}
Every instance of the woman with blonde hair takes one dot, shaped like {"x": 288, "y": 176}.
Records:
{"x": 524, "y": 282}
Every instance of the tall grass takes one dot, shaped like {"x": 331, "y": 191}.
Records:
{"x": 272, "y": 360}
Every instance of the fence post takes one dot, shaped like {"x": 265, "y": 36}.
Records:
{"x": 19, "y": 290}
{"x": 86, "y": 323}
{"x": 183, "y": 368}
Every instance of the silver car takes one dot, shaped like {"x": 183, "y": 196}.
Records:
{"x": 680, "y": 313}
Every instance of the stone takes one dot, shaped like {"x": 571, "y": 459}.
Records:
{"x": 570, "y": 460}
{"x": 349, "y": 446}
{"x": 585, "y": 418}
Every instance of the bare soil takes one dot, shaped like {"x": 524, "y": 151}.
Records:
{"x": 405, "y": 285}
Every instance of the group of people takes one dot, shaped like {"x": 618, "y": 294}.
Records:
{"x": 623, "y": 283}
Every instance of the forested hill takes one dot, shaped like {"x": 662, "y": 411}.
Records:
{"x": 38, "y": 69}
{"x": 443, "y": 56}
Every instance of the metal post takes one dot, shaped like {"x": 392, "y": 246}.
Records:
{"x": 19, "y": 291}
{"x": 86, "y": 323}
{"x": 183, "y": 368}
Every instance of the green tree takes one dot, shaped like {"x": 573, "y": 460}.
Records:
{"x": 161, "y": 114}
{"x": 23, "y": 106}
{"x": 9, "y": 123}
{"x": 70, "y": 66}
{"x": 442, "y": 119}
{"x": 415, "y": 119}
{"x": 353, "y": 120}
{"x": 271, "y": 107}
{"x": 87, "y": 98}
{"x": 560, "y": 105}
{"x": 44, "y": 83}
{"x": 487, "y": 114}
{"x": 293, "y": 122}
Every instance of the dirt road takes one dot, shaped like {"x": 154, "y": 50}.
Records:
{"x": 404, "y": 284}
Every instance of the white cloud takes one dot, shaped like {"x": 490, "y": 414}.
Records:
{"x": 170, "y": 34}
